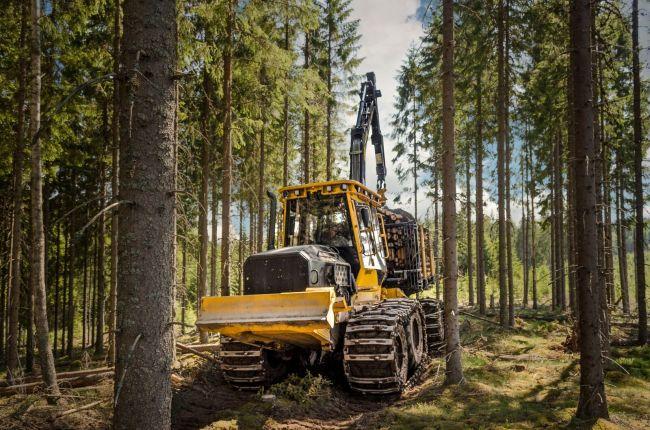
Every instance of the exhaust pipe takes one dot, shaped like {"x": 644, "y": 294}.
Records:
{"x": 273, "y": 204}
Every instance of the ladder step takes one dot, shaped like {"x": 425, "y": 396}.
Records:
{"x": 241, "y": 368}
{"x": 374, "y": 327}
{"x": 250, "y": 353}
{"x": 356, "y": 380}
{"x": 368, "y": 341}
{"x": 369, "y": 357}
{"x": 242, "y": 379}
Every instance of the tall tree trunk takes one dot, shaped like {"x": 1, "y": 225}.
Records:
{"x": 571, "y": 221}
{"x": 639, "y": 255}
{"x": 144, "y": 336}
{"x": 592, "y": 402}
{"x": 202, "y": 275}
{"x": 606, "y": 187}
{"x": 480, "y": 235}
{"x": 501, "y": 163}
{"x": 17, "y": 214}
{"x": 598, "y": 166}
{"x": 508, "y": 160}
{"x": 29, "y": 319}
{"x": 468, "y": 208}
{"x": 240, "y": 250}
{"x": 101, "y": 233}
{"x": 454, "y": 373}
{"x": 66, "y": 268}
{"x": 533, "y": 249}
{"x": 622, "y": 240}
{"x": 524, "y": 220}
{"x": 226, "y": 184}
{"x": 436, "y": 228}
{"x": 415, "y": 160}
{"x": 305, "y": 131}
{"x": 71, "y": 269}
{"x": 285, "y": 114}
{"x": 57, "y": 277}
{"x": 84, "y": 299}
{"x": 37, "y": 265}
{"x": 183, "y": 286}
{"x": 559, "y": 223}
{"x": 261, "y": 185}
{"x": 330, "y": 95}
{"x": 213, "y": 245}
{"x": 115, "y": 180}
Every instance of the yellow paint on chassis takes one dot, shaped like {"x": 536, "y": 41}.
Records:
{"x": 299, "y": 318}
{"x": 305, "y": 318}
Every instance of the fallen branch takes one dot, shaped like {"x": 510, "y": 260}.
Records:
{"x": 196, "y": 352}
{"x": 79, "y": 409}
{"x": 62, "y": 375}
{"x": 205, "y": 347}
{"x": 76, "y": 382}
{"x": 480, "y": 318}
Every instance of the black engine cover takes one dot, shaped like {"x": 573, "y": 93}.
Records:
{"x": 295, "y": 268}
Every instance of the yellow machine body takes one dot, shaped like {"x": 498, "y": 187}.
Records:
{"x": 302, "y": 319}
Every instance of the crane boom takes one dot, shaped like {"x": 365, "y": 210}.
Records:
{"x": 367, "y": 120}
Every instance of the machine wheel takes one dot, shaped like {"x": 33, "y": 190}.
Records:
{"x": 417, "y": 337}
{"x": 377, "y": 347}
{"x": 250, "y": 367}
{"x": 433, "y": 314}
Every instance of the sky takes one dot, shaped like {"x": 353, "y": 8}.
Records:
{"x": 388, "y": 29}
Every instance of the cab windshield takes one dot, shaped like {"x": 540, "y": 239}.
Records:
{"x": 320, "y": 220}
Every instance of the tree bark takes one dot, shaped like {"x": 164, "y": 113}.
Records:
{"x": 508, "y": 160}
{"x": 72, "y": 255}
{"x": 101, "y": 233}
{"x": 480, "y": 235}
{"x": 144, "y": 338}
{"x": 37, "y": 265}
{"x": 261, "y": 185}
{"x": 330, "y": 95}
{"x": 501, "y": 162}
{"x": 226, "y": 184}
{"x": 533, "y": 249}
{"x": 592, "y": 402}
{"x": 183, "y": 287}
{"x": 115, "y": 181}
{"x": 213, "y": 246}
{"x": 454, "y": 373}
{"x": 305, "y": 137}
{"x": 17, "y": 212}
{"x": 639, "y": 254}
{"x": 202, "y": 275}
{"x": 524, "y": 220}
{"x": 285, "y": 115}
{"x": 468, "y": 209}
{"x": 622, "y": 240}
{"x": 559, "y": 223}
{"x": 598, "y": 174}
{"x": 436, "y": 228}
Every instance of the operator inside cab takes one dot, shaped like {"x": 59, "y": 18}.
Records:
{"x": 322, "y": 220}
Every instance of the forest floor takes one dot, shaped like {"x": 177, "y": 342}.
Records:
{"x": 521, "y": 378}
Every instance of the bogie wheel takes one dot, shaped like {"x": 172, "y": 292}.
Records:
{"x": 250, "y": 367}
{"x": 401, "y": 360}
{"x": 433, "y": 317}
{"x": 417, "y": 337}
{"x": 377, "y": 352}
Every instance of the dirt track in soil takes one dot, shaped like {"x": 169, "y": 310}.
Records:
{"x": 209, "y": 399}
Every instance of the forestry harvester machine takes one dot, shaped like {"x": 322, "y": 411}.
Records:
{"x": 336, "y": 290}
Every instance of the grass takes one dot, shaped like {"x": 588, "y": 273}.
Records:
{"x": 514, "y": 379}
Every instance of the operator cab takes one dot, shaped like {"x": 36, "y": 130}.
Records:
{"x": 341, "y": 215}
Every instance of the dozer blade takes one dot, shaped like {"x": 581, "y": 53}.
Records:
{"x": 302, "y": 319}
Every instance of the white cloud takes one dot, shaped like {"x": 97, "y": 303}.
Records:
{"x": 388, "y": 28}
